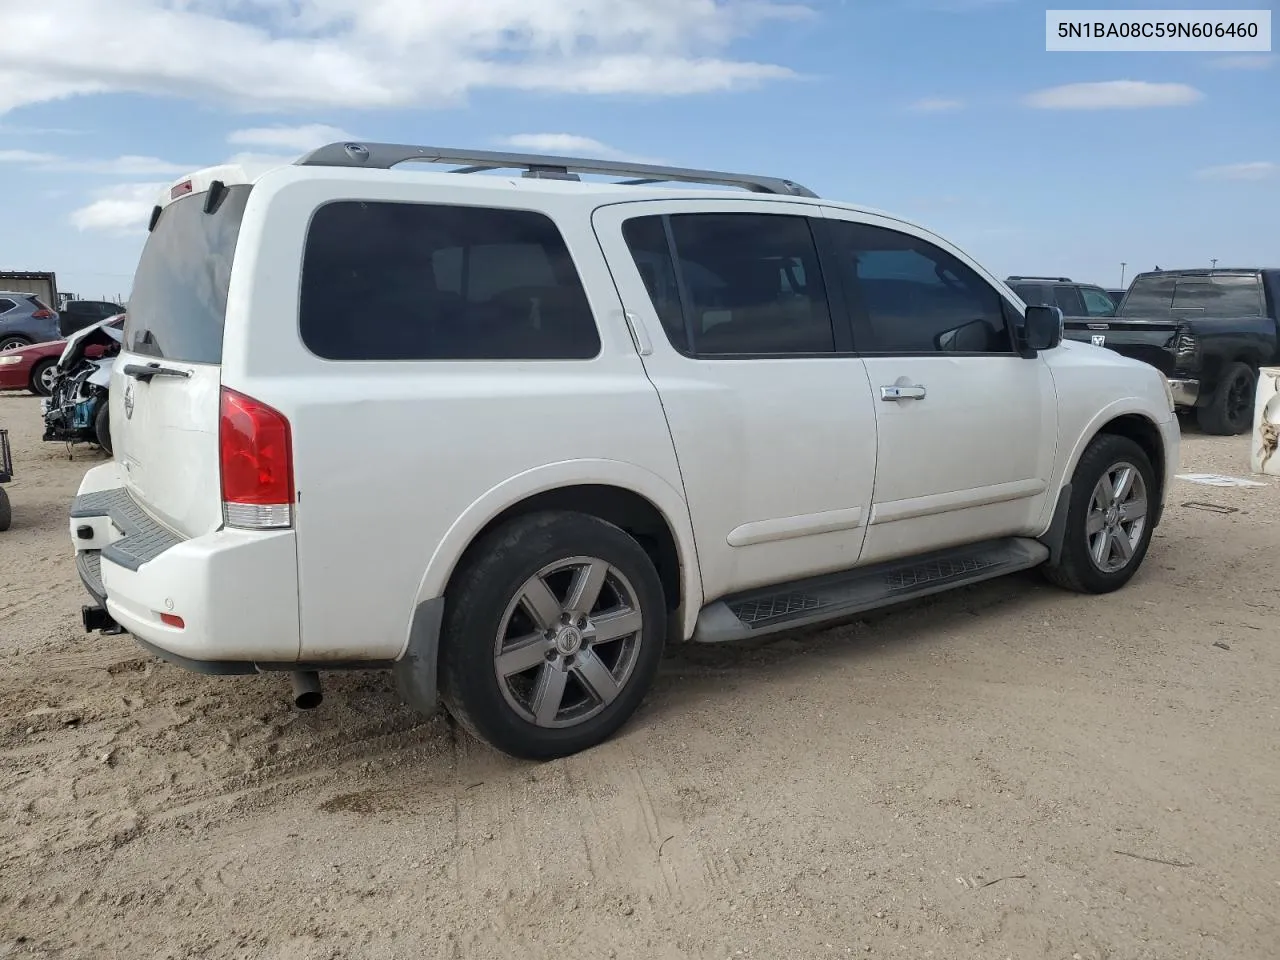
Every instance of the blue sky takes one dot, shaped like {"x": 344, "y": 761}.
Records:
{"x": 934, "y": 109}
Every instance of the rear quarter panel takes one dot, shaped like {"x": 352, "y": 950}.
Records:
{"x": 398, "y": 464}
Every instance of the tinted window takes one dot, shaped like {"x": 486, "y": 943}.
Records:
{"x": 433, "y": 282}
{"x": 179, "y": 299}
{"x": 909, "y": 296}
{"x": 751, "y": 283}
{"x": 1097, "y": 303}
{"x": 1067, "y": 299}
{"x": 1220, "y": 296}
{"x": 1149, "y": 297}
{"x": 647, "y": 239}
{"x": 1034, "y": 294}
{"x": 6, "y": 305}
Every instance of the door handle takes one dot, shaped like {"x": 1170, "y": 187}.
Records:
{"x": 905, "y": 392}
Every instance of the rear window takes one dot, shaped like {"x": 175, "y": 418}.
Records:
{"x": 179, "y": 300}
{"x": 411, "y": 281}
{"x": 1227, "y": 296}
{"x": 1221, "y": 296}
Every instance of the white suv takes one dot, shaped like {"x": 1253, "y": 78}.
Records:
{"x": 508, "y": 435}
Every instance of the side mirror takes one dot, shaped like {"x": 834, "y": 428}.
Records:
{"x": 1042, "y": 328}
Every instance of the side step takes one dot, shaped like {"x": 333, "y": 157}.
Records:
{"x": 802, "y": 603}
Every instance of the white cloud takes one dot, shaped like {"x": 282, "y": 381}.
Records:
{"x": 568, "y": 145}
{"x": 300, "y": 138}
{"x": 127, "y": 166}
{"x": 1245, "y": 61}
{"x": 124, "y": 208}
{"x": 1254, "y": 170}
{"x": 1114, "y": 95}
{"x": 264, "y": 54}
{"x": 28, "y": 157}
{"x": 937, "y": 105}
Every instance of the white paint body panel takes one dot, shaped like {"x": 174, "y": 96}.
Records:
{"x": 766, "y": 470}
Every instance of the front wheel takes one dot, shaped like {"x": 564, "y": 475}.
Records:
{"x": 1109, "y": 514}
{"x": 552, "y": 635}
{"x": 1229, "y": 411}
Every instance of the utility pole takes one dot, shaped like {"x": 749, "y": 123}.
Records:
{"x": 1123, "y": 264}
{"x": 1214, "y": 262}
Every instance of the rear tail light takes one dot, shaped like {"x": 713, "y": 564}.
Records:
{"x": 44, "y": 313}
{"x": 255, "y": 451}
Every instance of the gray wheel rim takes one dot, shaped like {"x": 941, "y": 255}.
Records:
{"x": 1117, "y": 517}
{"x": 47, "y": 376}
{"x": 568, "y": 642}
{"x": 6, "y": 345}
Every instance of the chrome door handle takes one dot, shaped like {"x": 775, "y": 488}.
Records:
{"x": 896, "y": 392}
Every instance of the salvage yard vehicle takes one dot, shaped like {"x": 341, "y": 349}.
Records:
{"x": 530, "y": 428}
{"x": 1209, "y": 331}
{"x": 77, "y": 409}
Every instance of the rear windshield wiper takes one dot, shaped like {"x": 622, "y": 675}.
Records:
{"x": 144, "y": 372}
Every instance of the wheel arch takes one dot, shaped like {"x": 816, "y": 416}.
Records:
{"x": 631, "y": 497}
{"x": 1136, "y": 424}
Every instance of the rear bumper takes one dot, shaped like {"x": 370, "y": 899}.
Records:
{"x": 1186, "y": 393}
{"x": 235, "y": 591}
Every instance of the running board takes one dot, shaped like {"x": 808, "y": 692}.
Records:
{"x": 803, "y": 603}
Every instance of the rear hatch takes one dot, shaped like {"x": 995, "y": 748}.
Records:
{"x": 1151, "y": 341}
{"x": 165, "y": 384}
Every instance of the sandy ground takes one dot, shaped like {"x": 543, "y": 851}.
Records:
{"x": 982, "y": 776}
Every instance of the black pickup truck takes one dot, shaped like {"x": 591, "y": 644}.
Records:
{"x": 1207, "y": 331}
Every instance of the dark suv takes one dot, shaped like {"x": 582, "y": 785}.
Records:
{"x": 25, "y": 319}
{"x": 1073, "y": 299}
{"x": 78, "y": 314}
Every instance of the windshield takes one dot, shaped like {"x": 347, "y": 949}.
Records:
{"x": 179, "y": 299}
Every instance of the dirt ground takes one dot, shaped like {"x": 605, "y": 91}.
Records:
{"x": 1006, "y": 772}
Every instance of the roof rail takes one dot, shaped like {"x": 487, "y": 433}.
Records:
{"x": 1053, "y": 279}
{"x": 384, "y": 156}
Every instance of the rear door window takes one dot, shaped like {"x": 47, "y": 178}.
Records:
{"x": 743, "y": 284}
{"x": 1067, "y": 299}
{"x": 441, "y": 282}
{"x": 6, "y": 305}
{"x": 179, "y": 299}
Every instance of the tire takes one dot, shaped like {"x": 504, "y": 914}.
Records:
{"x": 1229, "y": 411}
{"x": 13, "y": 343}
{"x": 41, "y": 384}
{"x": 6, "y": 511}
{"x": 522, "y": 715}
{"x": 102, "y": 426}
{"x": 1077, "y": 568}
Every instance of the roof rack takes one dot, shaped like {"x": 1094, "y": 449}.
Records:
{"x": 384, "y": 156}
{"x": 1052, "y": 279}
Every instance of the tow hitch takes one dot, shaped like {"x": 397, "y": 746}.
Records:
{"x": 97, "y": 618}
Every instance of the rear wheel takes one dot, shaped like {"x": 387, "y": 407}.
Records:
{"x": 102, "y": 425}
{"x": 1109, "y": 514}
{"x": 42, "y": 377}
{"x": 1230, "y": 410}
{"x": 552, "y": 635}
{"x": 6, "y": 511}
{"x": 13, "y": 343}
